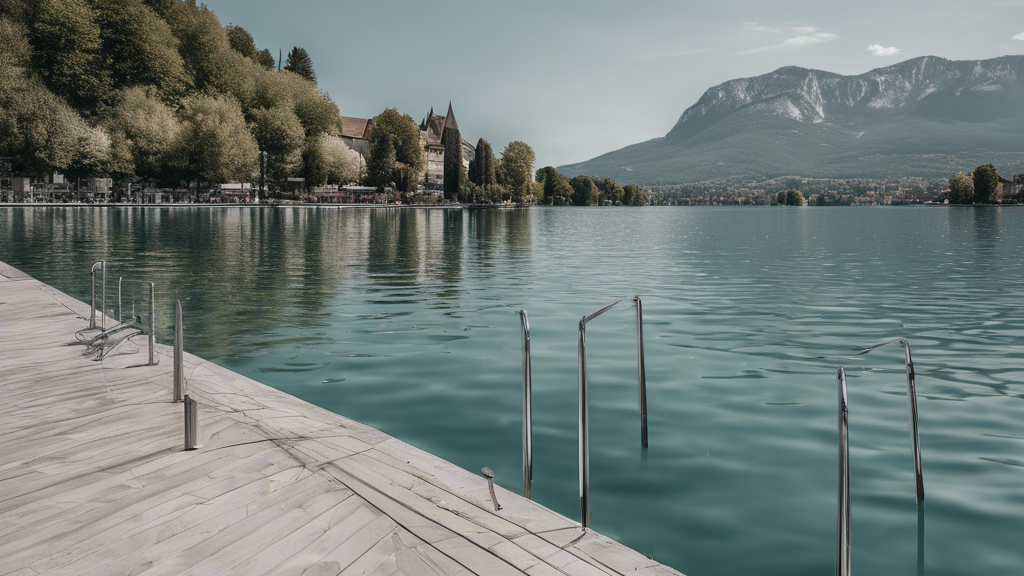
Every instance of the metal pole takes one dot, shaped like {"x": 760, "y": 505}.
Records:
{"x": 641, "y": 370}
{"x": 179, "y": 356}
{"x": 843, "y": 527}
{"x": 119, "y": 300}
{"x": 912, "y": 407}
{"x": 152, "y": 324}
{"x": 103, "y": 312}
{"x": 527, "y": 407}
{"x": 191, "y": 424}
{"x": 92, "y": 315}
{"x": 584, "y": 430}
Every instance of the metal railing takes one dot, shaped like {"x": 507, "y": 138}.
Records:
{"x": 911, "y": 407}
{"x": 843, "y": 547}
{"x": 102, "y": 264}
{"x": 843, "y": 528}
{"x": 584, "y": 403}
{"x": 179, "y": 356}
{"x": 527, "y": 406}
{"x": 152, "y": 324}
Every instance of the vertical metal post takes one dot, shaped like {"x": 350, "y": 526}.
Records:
{"x": 641, "y": 369}
{"x": 92, "y": 314}
{"x": 191, "y": 424}
{"x": 912, "y": 407}
{"x": 119, "y": 320}
{"x": 103, "y": 312}
{"x": 152, "y": 324}
{"x": 584, "y": 428}
{"x": 179, "y": 356}
{"x": 527, "y": 407}
{"x": 915, "y": 438}
{"x": 843, "y": 526}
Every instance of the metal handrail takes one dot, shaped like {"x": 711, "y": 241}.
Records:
{"x": 527, "y": 406}
{"x": 911, "y": 406}
{"x": 152, "y": 324}
{"x": 584, "y": 403}
{"x": 843, "y": 548}
{"x": 843, "y": 527}
{"x": 92, "y": 272}
{"x": 179, "y": 356}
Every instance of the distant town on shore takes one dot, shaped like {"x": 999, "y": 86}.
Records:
{"x": 155, "y": 101}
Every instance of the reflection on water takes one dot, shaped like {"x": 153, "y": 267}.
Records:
{"x": 405, "y": 319}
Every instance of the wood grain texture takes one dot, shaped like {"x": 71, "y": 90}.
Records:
{"x": 93, "y": 478}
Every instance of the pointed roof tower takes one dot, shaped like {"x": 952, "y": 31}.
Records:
{"x": 449, "y": 120}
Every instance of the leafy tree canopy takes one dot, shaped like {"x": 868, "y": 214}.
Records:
{"x": 961, "y": 189}
{"x": 985, "y": 182}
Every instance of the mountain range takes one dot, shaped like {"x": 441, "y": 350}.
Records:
{"x": 926, "y": 117}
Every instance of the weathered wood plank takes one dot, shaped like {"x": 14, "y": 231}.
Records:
{"x": 93, "y": 478}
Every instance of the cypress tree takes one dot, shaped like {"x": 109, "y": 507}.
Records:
{"x": 487, "y": 170}
{"x": 452, "y": 141}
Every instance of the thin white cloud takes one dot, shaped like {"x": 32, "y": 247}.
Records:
{"x": 786, "y": 38}
{"x": 1019, "y": 37}
{"x": 879, "y": 50}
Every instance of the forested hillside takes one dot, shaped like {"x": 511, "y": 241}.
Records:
{"x": 157, "y": 91}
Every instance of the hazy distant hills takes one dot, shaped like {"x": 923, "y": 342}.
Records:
{"x": 926, "y": 117}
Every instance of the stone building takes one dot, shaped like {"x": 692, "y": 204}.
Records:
{"x": 431, "y": 131}
{"x": 355, "y": 132}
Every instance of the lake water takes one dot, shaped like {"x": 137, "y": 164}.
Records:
{"x": 405, "y": 319}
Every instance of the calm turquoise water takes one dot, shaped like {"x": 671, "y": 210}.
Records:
{"x": 404, "y": 320}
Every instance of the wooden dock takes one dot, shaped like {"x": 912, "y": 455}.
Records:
{"x": 94, "y": 480}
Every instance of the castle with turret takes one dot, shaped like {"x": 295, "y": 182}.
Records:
{"x": 356, "y": 134}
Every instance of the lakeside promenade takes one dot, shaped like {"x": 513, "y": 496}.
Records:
{"x": 94, "y": 480}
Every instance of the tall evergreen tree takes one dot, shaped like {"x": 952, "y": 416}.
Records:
{"x": 452, "y": 141}
{"x": 300, "y": 63}
{"x": 488, "y": 176}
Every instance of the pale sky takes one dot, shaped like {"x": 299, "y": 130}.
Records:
{"x": 578, "y": 79}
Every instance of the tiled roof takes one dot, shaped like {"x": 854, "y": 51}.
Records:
{"x": 356, "y": 127}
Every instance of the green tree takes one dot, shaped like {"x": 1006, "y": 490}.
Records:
{"x": 553, "y": 187}
{"x": 241, "y": 41}
{"x": 40, "y": 131}
{"x": 215, "y": 144}
{"x": 611, "y": 191}
{"x": 266, "y": 59}
{"x": 147, "y": 128}
{"x": 139, "y": 48}
{"x": 451, "y": 139}
{"x": 65, "y": 38}
{"x": 961, "y": 189}
{"x": 327, "y": 160}
{"x": 632, "y": 195}
{"x": 395, "y": 153}
{"x": 300, "y": 63}
{"x": 794, "y": 198}
{"x": 985, "y": 182}
{"x": 481, "y": 170}
{"x": 204, "y": 47}
{"x": 584, "y": 191}
{"x": 516, "y": 169}
{"x": 279, "y": 133}
{"x": 315, "y": 109}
